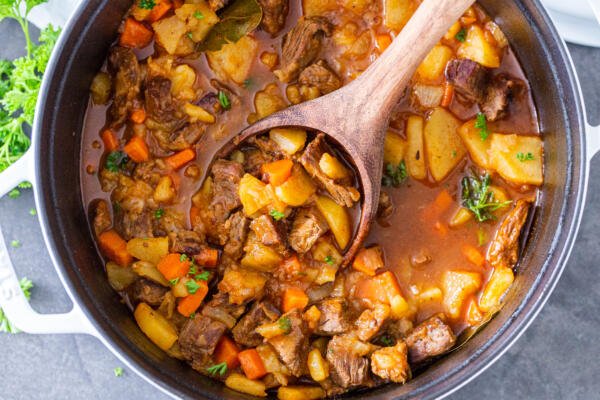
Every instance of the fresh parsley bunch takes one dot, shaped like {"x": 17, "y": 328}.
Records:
{"x": 20, "y": 82}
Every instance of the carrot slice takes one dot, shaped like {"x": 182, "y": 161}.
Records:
{"x": 448, "y": 94}
{"x": 178, "y": 160}
{"x": 252, "y": 364}
{"x": 473, "y": 255}
{"x": 174, "y": 266}
{"x": 109, "y": 139}
{"x": 135, "y": 34}
{"x": 207, "y": 257}
{"x": 383, "y": 41}
{"x": 277, "y": 172}
{"x": 159, "y": 10}
{"x": 294, "y": 298}
{"x": 114, "y": 247}
{"x": 189, "y": 304}
{"x": 137, "y": 149}
{"x": 368, "y": 260}
{"x": 227, "y": 352}
{"x": 138, "y": 116}
{"x": 291, "y": 266}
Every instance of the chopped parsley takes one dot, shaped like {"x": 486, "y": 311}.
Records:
{"x": 198, "y": 14}
{"x": 481, "y": 124}
{"x": 461, "y": 36}
{"x": 525, "y": 157}
{"x": 193, "y": 270}
{"x": 147, "y": 4}
{"x": 193, "y": 315}
{"x": 15, "y": 243}
{"x": 394, "y": 175}
{"x": 386, "y": 341}
{"x": 277, "y": 215}
{"x": 477, "y": 197}
{"x": 190, "y": 35}
{"x": 220, "y": 369}
{"x": 329, "y": 260}
{"x": 174, "y": 282}
{"x": 454, "y": 153}
{"x": 285, "y": 325}
{"x": 118, "y": 372}
{"x": 183, "y": 258}
{"x": 202, "y": 276}
{"x": 192, "y": 286}
{"x": 5, "y": 325}
{"x": 116, "y": 160}
{"x": 158, "y": 214}
{"x": 14, "y": 194}
{"x": 32, "y": 212}
{"x": 224, "y": 100}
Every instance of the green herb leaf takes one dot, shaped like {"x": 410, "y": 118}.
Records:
{"x": 525, "y": 157}
{"x": 147, "y": 4}
{"x": 461, "y": 36}
{"x": 394, "y": 175}
{"x": 190, "y": 35}
{"x": 238, "y": 19}
{"x": 5, "y": 325}
{"x": 276, "y": 215}
{"x": 116, "y": 160}
{"x": 183, "y": 257}
{"x": 14, "y": 194}
{"x": 198, "y": 14}
{"x": 158, "y": 214}
{"x": 220, "y": 369}
{"x": 477, "y": 197}
{"x": 481, "y": 124}
{"x": 193, "y": 270}
{"x": 329, "y": 260}
{"x": 285, "y": 325}
{"x": 192, "y": 286}
{"x": 15, "y": 243}
{"x": 386, "y": 341}
{"x": 202, "y": 276}
{"x": 224, "y": 100}
{"x": 174, "y": 282}
{"x": 32, "y": 212}
{"x": 193, "y": 315}
{"x": 118, "y": 372}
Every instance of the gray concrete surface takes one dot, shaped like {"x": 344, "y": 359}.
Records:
{"x": 557, "y": 358}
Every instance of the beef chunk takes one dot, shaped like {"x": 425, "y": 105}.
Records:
{"x": 220, "y": 309}
{"x": 476, "y": 83}
{"x": 293, "y": 347}
{"x": 131, "y": 224}
{"x": 146, "y": 291}
{"x": 160, "y": 106}
{"x": 334, "y": 317}
{"x": 308, "y": 226}
{"x": 301, "y": 46}
{"x": 320, "y": 76}
{"x": 270, "y": 232}
{"x": 254, "y": 160}
{"x": 124, "y": 65}
{"x": 430, "y": 338}
{"x": 236, "y": 231}
{"x": 226, "y": 178}
{"x": 188, "y": 242}
{"x": 261, "y": 312}
{"x": 504, "y": 249}
{"x": 385, "y": 207}
{"x": 274, "y": 14}
{"x": 370, "y": 322}
{"x": 266, "y": 145}
{"x": 198, "y": 339}
{"x": 101, "y": 217}
{"x": 180, "y": 139}
{"x": 391, "y": 363}
{"x": 344, "y": 195}
{"x": 348, "y": 364}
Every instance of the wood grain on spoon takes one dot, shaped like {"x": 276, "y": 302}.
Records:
{"x": 357, "y": 115}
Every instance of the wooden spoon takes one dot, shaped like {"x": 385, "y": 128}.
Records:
{"x": 357, "y": 115}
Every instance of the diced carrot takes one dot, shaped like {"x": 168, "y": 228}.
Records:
{"x": 109, "y": 139}
{"x": 208, "y": 257}
{"x": 383, "y": 41}
{"x": 138, "y": 115}
{"x": 389, "y": 283}
{"x": 114, "y": 247}
{"x": 370, "y": 289}
{"x": 277, "y": 172}
{"x": 440, "y": 204}
{"x": 291, "y": 266}
{"x": 135, "y": 34}
{"x": 448, "y": 94}
{"x": 174, "y": 266}
{"x": 294, "y": 298}
{"x": 441, "y": 228}
{"x": 368, "y": 260}
{"x": 252, "y": 364}
{"x": 190, "y": 303}
{"x": 474, "y": 314}
{"x": 137, "y": 150}
{"x": 227, "y": 352}
{"x": 159, "y": 10}
{"x": 473, "y": 255}
{"x": 466, "y": 21}
{"x": 178, "y": 160}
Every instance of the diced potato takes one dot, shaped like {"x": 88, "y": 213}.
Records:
{"x": 270, "y": 359}
{"x": 270, "y": 329}
{"x": 458, "y": 285}
{"x": 289, "y": 140}
{"x": 148, "y": 270}
{"x": 242, "y": 284}
{"x": 300, "y": 393}
{"x": 497, "y": 33}
{"x": 399, "y": 307}
{"x": 361, "y": 46}
{"x": 101, "y": 87}
{"x": 500, "y": 194}
{"x": 332, "y": 167}
{"x": 169, "y": 32}
{"x": 199, "y": 19}
{"x": 269, "y": 59}
{"x": 259, "y": 257}
{"x": 433, "y": 66}
{"x": 149, "y": 249}
{"x": 197, "y": 113}
{"x": 242, "y": 384}
{"x": 397, "y": 13}
{"x": 453, "y": 31}
{"x": 234, "y": 60}
{"x": 154, "y": 325}
{"x": 477, "y": 147}
{"x": 394, "y": 149}
{"x": 415, "y": 156}
{"x": 444, "y": 149}
{"x": 337, "y": 218}
{"x": 430, "y": 294}
{"x": 499, "y": 282}
{"x": 461, "y": 217}
{"x": 312, "y": 317}
{"x": 317, "y": 366}
{"x": 253, "y": 194}
{"x": 183, "y": 78}
{"x": 318, "y": 7}
{"x": 478, "y": 49}
{"x": 164, "y": 191}
{"x": 119, "y": 277}
{"x": 345, "y": 35}
{"x": 179, "y": 289}
{"x": 326, "y": 274}
{"x": 505, "y": 151}
{"x": 428, "y": 96}
{"x": 297, "y": 189}
{"x": 356, "y": 6}
{"x": 268, "y": 101}
{"x": 325, "y": 251}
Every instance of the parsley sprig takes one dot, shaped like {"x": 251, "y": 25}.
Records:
{"x": 285, "y": 325}
{"x": 276, "y": 215}
{"x": 394, "y": 175}
{"x": 220, "y": 369}
{"x": 478, "y": 198}
{"x": 481, "y": 124}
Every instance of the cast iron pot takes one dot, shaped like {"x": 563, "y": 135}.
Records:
{"x": 52, "y": 166}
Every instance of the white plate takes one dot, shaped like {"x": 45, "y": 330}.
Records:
{"x": 576, "y": 21}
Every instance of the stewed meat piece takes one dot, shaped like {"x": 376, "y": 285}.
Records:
{"x": 391, "y": 363}
{"x": 161, "y": 108}
{"x": 188, "y": 242}
{"x": 220, "y": 309}
{"x": 261, "y": 312}
{"x": 292, "y": 347}
{"x": 124, "y": 65}
{"x": 321, "y": 76}
{"x": 101, "y": 217}
{"x": 504, "y": 248}
{"x": 274, "y": 14}
{"x": 270, "y": 232}
{"x": 430, "y": 338}
{"x": 233, "y": 234}
{"x": 198, "y": 339}
{"x": 146, "y": 291}
{"x": 349, "y": 366}
{"x": 334, "y": 317}
{"x": 308, "y": 226}
{"x": 370, "y": 322}
{"x": 226, "y": 178}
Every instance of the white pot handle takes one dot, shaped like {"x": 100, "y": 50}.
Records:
{"x": 593, "y": 140}
{"x": 12, "y": 300}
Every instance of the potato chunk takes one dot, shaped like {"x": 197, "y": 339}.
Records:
{"x": 337, "y": 218}
{"x": 158, "y": 329}
{"x": 300, "y": 393}
{"x": 477, "y": 147}
{"x": 517, "y": 158}
{"x": 258, "y": 256}
{"x": 253, "y": 194}
{"x": 169, "y": 32}
{"x": 458, "y": 285}
{"x": 318, "y": 7}
{"x": 478, "y": 49}
{"x": 296, "y": 190}
{"x": 242, "y": 384}
{"x": 332, "y": 167}
{"x": 197, "y": 28}
{"x": 499, "y": 282}
{"x": 234, "y": 60}
{"x": 415, "y": 157}
{"x": 443, "y": 146}
{"x": 149, "y": 249}
{"x": 397, "y": 13}
{"x": 289, "y": 140}
{"x": 433, "y": 66}
{"x": 394, "y": 149}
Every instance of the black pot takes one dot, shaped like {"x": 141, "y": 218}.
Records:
{"x": 52, "y": 165}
